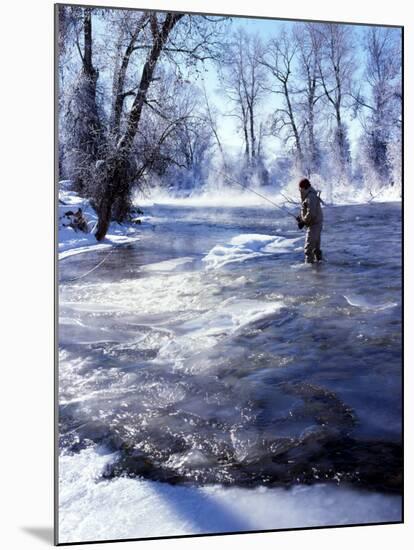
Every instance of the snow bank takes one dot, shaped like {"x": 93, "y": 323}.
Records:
{"x": 71, "y": 242}
{"x": 92, "y": 509}
{"x": 355, "y": 195}
{"x": 346, "y": 192}
{"x": 246, "y": 247}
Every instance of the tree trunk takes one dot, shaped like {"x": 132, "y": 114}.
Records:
{"x": 246, "y": 142}
{"x": 115, "y": 184}
{"x": 252, "y": 134}
{"x": 87, "y": 33}
{"x": 147, "y": 75}
{"x": 114, "y": 180}
{"x": 293, "y": 124}
{"x": 314, "y": 159}
{"x": 119, "y": 84}
{"x": 104, "y": 218}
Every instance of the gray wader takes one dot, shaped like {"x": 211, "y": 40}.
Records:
{"x": 312, "y": 217}
{"x": 313, "y": 243}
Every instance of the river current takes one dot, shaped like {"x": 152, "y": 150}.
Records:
{"x": 208, "y": 353}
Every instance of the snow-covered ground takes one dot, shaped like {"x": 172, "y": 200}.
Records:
{"x": 94, "y": 509}
{"x": 71, "y": 242}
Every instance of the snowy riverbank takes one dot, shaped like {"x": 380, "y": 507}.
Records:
{"x": 95, "y": 509}
{"x": 71, "y": 242}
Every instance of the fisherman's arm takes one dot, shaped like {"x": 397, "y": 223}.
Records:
{"x": 309, "y": 210}
{"x": 303, "y": 218}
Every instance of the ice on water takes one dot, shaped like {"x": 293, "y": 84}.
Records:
{"x": 363, "y": 302}
{"x": 247, "y": 247}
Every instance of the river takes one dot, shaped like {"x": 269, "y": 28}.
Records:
{"x": 207, "y": 357}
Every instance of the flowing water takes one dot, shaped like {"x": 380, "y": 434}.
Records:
{"x": 208, "y": 353}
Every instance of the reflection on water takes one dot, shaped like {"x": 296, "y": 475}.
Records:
{"x": 256, "y": 370}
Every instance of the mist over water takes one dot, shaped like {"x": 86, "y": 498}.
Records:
{"x": 222, "y": 190}
{"x": 208, "y": 353}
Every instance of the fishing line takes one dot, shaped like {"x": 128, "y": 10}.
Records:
{"x": 113, "y": 247}
{"x": 258, "y": 194}
{"x": 93, "y": 269}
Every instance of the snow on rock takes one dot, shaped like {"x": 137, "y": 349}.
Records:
{"x": 246, "y": 247}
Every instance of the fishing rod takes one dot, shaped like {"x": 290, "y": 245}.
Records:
{"x": 284, "y": 209}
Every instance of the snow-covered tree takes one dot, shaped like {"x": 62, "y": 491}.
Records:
{"x": 82, "y": 129}
{"x": 243, "y": 78}
{"x": 279, "y": 59}
{"x": 310, "y": 93}
{"x": 378, "y": 101}
{"x": 336, "y": 63}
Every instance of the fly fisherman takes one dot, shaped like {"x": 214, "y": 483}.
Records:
{"x": 311, "y": 217}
